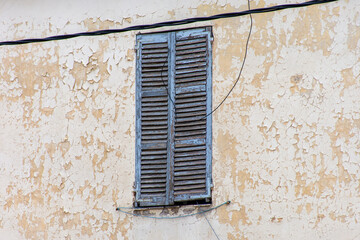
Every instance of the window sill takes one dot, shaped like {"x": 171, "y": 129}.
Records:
{"x": 172, "y": 207}
{"x": 172, "y": 212}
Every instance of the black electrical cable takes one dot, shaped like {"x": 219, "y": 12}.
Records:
{"x": 242, "y": 67}
{"x": 165, "y": 85}
{"x": 211, "y": 226}
{"x": 166, "y": 24}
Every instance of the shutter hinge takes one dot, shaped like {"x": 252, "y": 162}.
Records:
{"x": 137, "y": 50}
{"x": 135, "y": 187}
{"x": 209, "y": 180}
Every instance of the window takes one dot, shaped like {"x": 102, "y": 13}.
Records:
{"x": 173, "y": 131}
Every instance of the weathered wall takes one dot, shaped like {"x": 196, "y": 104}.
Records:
{"x": 286, "y": 143}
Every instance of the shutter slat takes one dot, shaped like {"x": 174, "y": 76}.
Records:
{"x": 155, "y": 113}
{"x": 189, "y": 187}
{"x": 190, "y": 133}
{"x": 154, "y": 181}
{"x": 158, "y": 69}
{"x": 154, "y": 65}
{"x": 191, "y": 95}
{"x": 154, "y": 145}
{"x": 189, "y": 143}
{"x": 189, "y": 173}
{"x": 151, "y": 158}
{"x": 153, "y": 162}
{"x": 155, "y": 74}
{"x": 152, "y": 190}
{"x": 189, "y": 168}
{"x": 185, "y": 72}
{"x": 153, "y": 137}
{"x": 190, "y": 119}
{"x": 191, "y": 65}
{"x": 201, "y": 44}
{"x": 153, "y": 152}
{"x": 191, "y": 51}
{"x": 152, "y": 108}
{"x": 155, "y": 132}
{"x": 193, "y": 109}
{"x": 152, "y": 185}
{"x": 193, "y": 79}
{"x": 200, "y": 59}
{"x": 150, "y": 127}
{"x": 191, "y": 113}
{"x": 190, "y": 41}
{"x": 190, "y": 83}
{"x": 155, "y": 56}
{"x": 153, "y": 99}
{"x": 190, "y": 158}
{"x": 194, "y": 123}
{"x": 191, "y": 128}
{"x": 158, "y": 93}
{"x": 150, "y": 80}
{"x": 191, "y": 104}
{"x": 188, "y": 154}
{"x": 155, "y": 50}
{"x": 152, "y": 123}
{"x": 153, "y": 176}
{"x": 154, "y": 104}
{"x": 192, "y": 182}
{"x": 154, "y": 60}
{"x": 154, "y": 45}
{"x": 149, "y": 167}
{"x": 190, "y": 177}
{"x": 189, "y": 100}
{"x": 191, "y": 74}
{"x": 190, "y": 91}
{"x": 153, "y": 85}
{"x": 190, "y": 163}
{"x": 191, "y": 56}
{"x": 188, "y": 192}
{"x": 190, "y": 148}
{"x": 161, "y": 171}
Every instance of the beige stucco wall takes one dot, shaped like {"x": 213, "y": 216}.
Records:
{"x": 286, "y": 143}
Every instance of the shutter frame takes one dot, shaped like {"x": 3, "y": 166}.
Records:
{"x": 171, "y": 132}
{"x": 172, "y": 38}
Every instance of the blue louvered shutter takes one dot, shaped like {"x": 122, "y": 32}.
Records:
{"x": 173, "y": 134}
{"x": 152, "y": 120}
{"x": 192, "y": 157}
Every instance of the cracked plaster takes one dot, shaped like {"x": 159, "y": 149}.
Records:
{"x": 285, "y": 143}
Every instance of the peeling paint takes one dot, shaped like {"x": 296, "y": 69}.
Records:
{"x": 285, "y": 143}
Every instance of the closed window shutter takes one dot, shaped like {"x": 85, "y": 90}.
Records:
{"x": 152, "y": 120}
{"x": 173, "y": 136}
{"x": 192, "y": 156}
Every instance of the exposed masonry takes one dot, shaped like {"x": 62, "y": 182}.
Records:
{"x": 286, "y": 143}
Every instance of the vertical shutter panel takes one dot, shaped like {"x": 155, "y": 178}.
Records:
{"x": 192, "y": 158}
{"x": 152, "y": 120}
